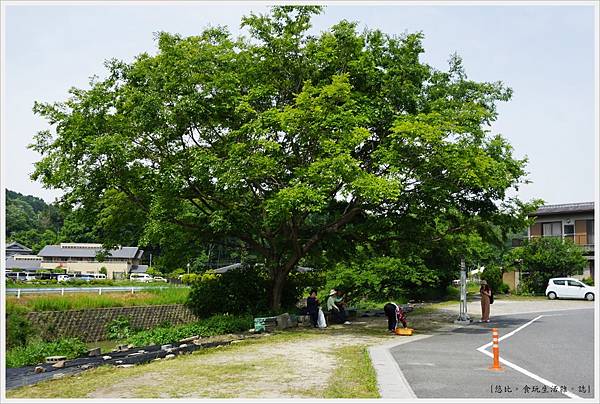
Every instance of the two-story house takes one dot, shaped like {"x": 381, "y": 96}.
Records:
{"x": 573, "y": 221}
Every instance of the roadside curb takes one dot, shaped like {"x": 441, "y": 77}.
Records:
{"x": 391, "y": 382}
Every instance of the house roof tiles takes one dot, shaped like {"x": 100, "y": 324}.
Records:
{"x": 565, "y": 208}
{"x": 89, "y": 252}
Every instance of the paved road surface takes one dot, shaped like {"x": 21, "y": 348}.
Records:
{"x": 558, "y": 347}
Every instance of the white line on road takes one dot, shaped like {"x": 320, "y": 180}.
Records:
{"x": 510, "y": 333}
{"x": 540, "y": 379}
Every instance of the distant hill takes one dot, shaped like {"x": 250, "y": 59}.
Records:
{"x": 29, "y": 217}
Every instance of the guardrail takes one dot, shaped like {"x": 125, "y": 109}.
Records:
{"x": 39, "y": 291}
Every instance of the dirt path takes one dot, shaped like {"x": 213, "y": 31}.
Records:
{"x": 274, "y": 370}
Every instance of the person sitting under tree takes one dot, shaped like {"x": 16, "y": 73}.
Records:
{"x": 338, "y": 313}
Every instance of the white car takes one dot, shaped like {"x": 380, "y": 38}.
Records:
{"x": 140, "y": 278}
{"x": 569, "y": 288}
{"x": 159, "y": 279}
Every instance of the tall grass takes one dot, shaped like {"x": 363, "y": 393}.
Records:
{"x": 92, "y": 301}
{"x": 34, "y": 353}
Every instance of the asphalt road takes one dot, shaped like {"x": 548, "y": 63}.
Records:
{"x": 558, "y": 347}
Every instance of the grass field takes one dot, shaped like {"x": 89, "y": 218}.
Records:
{"x": 92, "y": 300}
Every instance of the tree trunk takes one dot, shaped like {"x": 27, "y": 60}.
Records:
{"x": 279, "y": 279}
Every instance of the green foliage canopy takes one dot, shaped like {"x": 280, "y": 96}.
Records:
{"x": 284, "y": 141}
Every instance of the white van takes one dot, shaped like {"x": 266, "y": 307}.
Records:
{"x": 140, "y": 278}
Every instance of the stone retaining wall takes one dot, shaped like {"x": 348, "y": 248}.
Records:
{"x": 90, "y": 324}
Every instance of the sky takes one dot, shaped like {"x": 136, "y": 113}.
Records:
{"x": 545, "y": 53}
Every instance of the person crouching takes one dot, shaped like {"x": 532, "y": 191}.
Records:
{"x": 394, "y": 315}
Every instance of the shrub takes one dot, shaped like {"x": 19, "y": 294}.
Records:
{"x": 588, "y": 281}
{"x": 240, "y": 291}
{"x": 119, "y": 328}
{"x": 189, "y": 279}
{"x": 18, "y": 328}
{"x": 34, "y": 353}
{"x": 524, "y": 290}
{"x": 504, "y": 288}
{"x": 215, "y": 325}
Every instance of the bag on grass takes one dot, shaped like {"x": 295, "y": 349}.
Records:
{"x": 321, "y": 323}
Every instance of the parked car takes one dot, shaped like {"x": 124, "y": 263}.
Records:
{"x": 82, "y": 277}
{"x": 140, "y": 278}
{"x": 159, "y": 279}
{"x": 63, "y": 278}
{"x": 569, "y": 288}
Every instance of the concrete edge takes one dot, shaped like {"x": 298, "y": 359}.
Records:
{"x": 391, "y": 382}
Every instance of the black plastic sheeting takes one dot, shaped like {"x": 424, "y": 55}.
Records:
{"x": 17, "y": 377}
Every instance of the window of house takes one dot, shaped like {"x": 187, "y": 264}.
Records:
{"x": 552, "y": 229}
{"x": 590, "y": 231}
{"x": 569, "y": 231}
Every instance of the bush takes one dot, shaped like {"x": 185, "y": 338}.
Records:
{"x": 18, "y": 329}
{"x": 189, "y": 279}
{"x": 119, "y": 328}
{"x": 240, "y": 291}
{"x": 524, "y": 290}
{"x": 35, "y": 353}
{"x": 588, "y": 281}
{"x": 216, "y": 325}
{"x": 504, "y": 288}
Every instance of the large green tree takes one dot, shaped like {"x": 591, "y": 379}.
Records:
{"x": 289, "y": 143}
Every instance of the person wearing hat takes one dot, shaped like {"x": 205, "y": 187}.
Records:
{"x": 338, "y": 314}
{"x": 486, "y": 294}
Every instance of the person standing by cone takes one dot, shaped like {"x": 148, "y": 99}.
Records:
{"x": 486, "y": 294}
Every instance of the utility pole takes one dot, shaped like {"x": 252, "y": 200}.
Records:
{"x": 463, "y": 317}
{"x": 188, "y": 268}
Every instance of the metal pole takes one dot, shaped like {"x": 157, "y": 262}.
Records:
{"x": 463, "y": 317}
{"x": 188, "y": 268}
